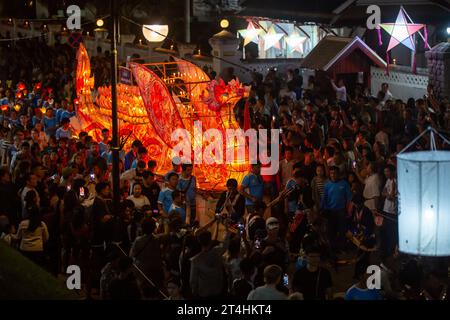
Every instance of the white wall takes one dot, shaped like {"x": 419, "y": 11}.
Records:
{"x": 402, "y": 83}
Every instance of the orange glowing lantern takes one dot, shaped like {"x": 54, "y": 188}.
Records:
{"x": 4, "y": 107}
{"x": 19, "y": 95}
{"x": 43, "y": 110}
{"x": 21, "y": 86}
{"x": 17, "y": 107}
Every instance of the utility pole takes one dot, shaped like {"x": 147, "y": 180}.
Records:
{"x": 187, "y": 20}
{"x": 115, "y": 124}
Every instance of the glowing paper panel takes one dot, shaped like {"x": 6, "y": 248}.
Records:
{"x": 295, "y": 42}
{"x": 424, "y": 203}
{"x": 161, "y": 108}
{"x": 402, "y": 32}
{"x": 272, "y": 39}
{"x": 250, "y": 34}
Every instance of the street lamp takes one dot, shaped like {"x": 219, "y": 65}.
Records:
{"x": 115, "y": 148}
{"x": 224, "y": 23}
{"x": 155, "y": 32}
{"x": 100, "y": 23}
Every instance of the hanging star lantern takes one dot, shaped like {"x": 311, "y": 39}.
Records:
{"x": 402, "y": 32}
{"x": 295, "y": 42}
{"x": 272, "y": 39}
{"x": 250, "y": 34}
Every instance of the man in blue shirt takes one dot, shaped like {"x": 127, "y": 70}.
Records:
{"x": 292, "y": 200}
{"x": 187, "y": 184}
{"x": 360, "y": 291}
{"x": 103, "y": 145}
{"x": 131, "y": 155}
{"x": 59, "y": 111}
{"x": 177, "y": 206}
{"x": 68, "y": 113}
{"x": 337, "y": 194}
{"x": 140, "y": 156}
{"x": 252, "y": 187}
{"x": 165, "y": 196}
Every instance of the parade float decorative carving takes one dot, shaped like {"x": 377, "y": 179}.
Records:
{"x": 167, "y": 96}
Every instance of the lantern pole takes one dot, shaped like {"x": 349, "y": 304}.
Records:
{"x": 115, "y": 126}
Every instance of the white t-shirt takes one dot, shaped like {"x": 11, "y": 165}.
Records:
{"x": 387, "y": 96}
{"x": 341, "y": 93}
{"x": 390, "y": 206}
{"x": 32, "y": 241}
{"x": 372, "y": 188}
{"x": 139, "y": 202}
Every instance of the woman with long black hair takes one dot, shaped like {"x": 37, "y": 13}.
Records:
{"x": 32, "y": 232}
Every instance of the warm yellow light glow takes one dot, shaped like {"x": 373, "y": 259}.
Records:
{"x": 155, "y": 32}
{"x": 17, "y": 107}
{"x": 100, "y": 23}
{"x": 224, "y": 23}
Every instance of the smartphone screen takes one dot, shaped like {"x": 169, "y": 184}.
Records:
{"x": 68, "y": 188}
{"x": 81, "y": 192}
{"x": 286, "y": 280}
{"x": 257, "y": 244}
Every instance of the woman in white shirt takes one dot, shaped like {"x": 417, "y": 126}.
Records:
{"x": 32, "y": 233}
{"x": 138, "y": 198}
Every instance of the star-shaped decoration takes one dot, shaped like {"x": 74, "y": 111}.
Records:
{"x": 295, "y": 42}
{"x": 272, "y": 39}
{"x": 250, "y": 34}
{"x": 401, "y": 31}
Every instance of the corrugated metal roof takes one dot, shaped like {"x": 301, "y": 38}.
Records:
{"x": 331, "y": 49}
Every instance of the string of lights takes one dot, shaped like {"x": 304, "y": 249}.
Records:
{"x": 22, "y": 38}
{"x": 174, "y": 41}
{"x": 43, "y": 33}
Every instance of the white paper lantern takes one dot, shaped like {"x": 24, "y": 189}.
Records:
{"x": 424, "y": 202}
{"x": 155, "y": 32}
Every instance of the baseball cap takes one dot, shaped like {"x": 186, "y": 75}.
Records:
{"x": 272, "y": 223}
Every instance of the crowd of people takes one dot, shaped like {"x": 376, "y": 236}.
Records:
{"x": 283, "y": 236}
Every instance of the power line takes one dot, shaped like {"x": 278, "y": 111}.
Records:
{"x": 22, "y": 38}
